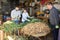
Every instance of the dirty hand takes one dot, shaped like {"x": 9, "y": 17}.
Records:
{"x": 28, "y": 20}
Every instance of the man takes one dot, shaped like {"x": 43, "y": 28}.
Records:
{"x": 54, "y": 19}
{"x": 16, "y": 14}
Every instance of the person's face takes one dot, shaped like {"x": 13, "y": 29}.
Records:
{"x": 49, "y": 7}
{"x": 24, "y": 10}
{"x": 17, "y": 8}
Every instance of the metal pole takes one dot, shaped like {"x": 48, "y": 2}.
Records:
{"x": 0, "y": 4}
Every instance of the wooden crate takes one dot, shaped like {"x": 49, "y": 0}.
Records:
{"x": 1, "y": 35}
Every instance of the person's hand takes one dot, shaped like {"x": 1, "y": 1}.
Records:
{"x": 28, "y": 20}
{"x": 56, "y": 26}
{"x": 31, "y": 17}
{"x": 12, "y": 18}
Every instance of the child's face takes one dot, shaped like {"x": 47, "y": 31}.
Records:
{"x": 17, "y": 8}
{"x": 24, "y": 10}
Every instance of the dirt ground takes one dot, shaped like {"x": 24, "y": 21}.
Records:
{"x": 48, "y": 37}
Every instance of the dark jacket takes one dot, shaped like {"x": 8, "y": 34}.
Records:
{"x": 54, "y": 16}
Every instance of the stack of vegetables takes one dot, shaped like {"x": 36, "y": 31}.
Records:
{"x": 36, "y": 29}
{"x": 9, "y": 26}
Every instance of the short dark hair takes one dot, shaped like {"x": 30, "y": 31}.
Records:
{"x": 17, "y": 5}
{"x": 49, "y": 3}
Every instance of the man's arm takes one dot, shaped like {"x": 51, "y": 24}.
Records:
{"x": 12, "y": 15}
{"x": 56, "y": 16}
{"x": 28, "y": 15}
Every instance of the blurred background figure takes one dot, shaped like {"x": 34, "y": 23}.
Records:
{"x": 16, "y": 14}
{"x": 25, "y": 16}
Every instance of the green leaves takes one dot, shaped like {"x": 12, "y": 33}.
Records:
{"x": 12, "y": 26}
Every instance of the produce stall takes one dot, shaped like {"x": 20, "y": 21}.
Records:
{"x": 36, "y": 29}
{"x": 33, "y": 28}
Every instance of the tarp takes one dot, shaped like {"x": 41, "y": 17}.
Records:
{"x": 43, "y": 2}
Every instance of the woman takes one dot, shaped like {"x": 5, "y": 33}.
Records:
{"x": 25, "y": 16}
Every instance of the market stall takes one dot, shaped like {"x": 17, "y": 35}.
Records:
{"x": 10, "y": 28}
{"x": 34, "y": 29}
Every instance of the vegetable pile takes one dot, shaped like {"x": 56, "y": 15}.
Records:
{"x": 9, "y": 26}
{"x": 36, "y": 29}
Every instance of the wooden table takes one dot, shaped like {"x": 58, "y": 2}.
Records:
{"x": 45, "y": 19}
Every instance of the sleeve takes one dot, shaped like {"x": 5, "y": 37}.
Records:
{"x": 12, "y": 14}
{"x": 28, "y": 15}
{"x": 56, "y": 16}
{"x": 19, "y": 14}
{"x": 23, "y": 17}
